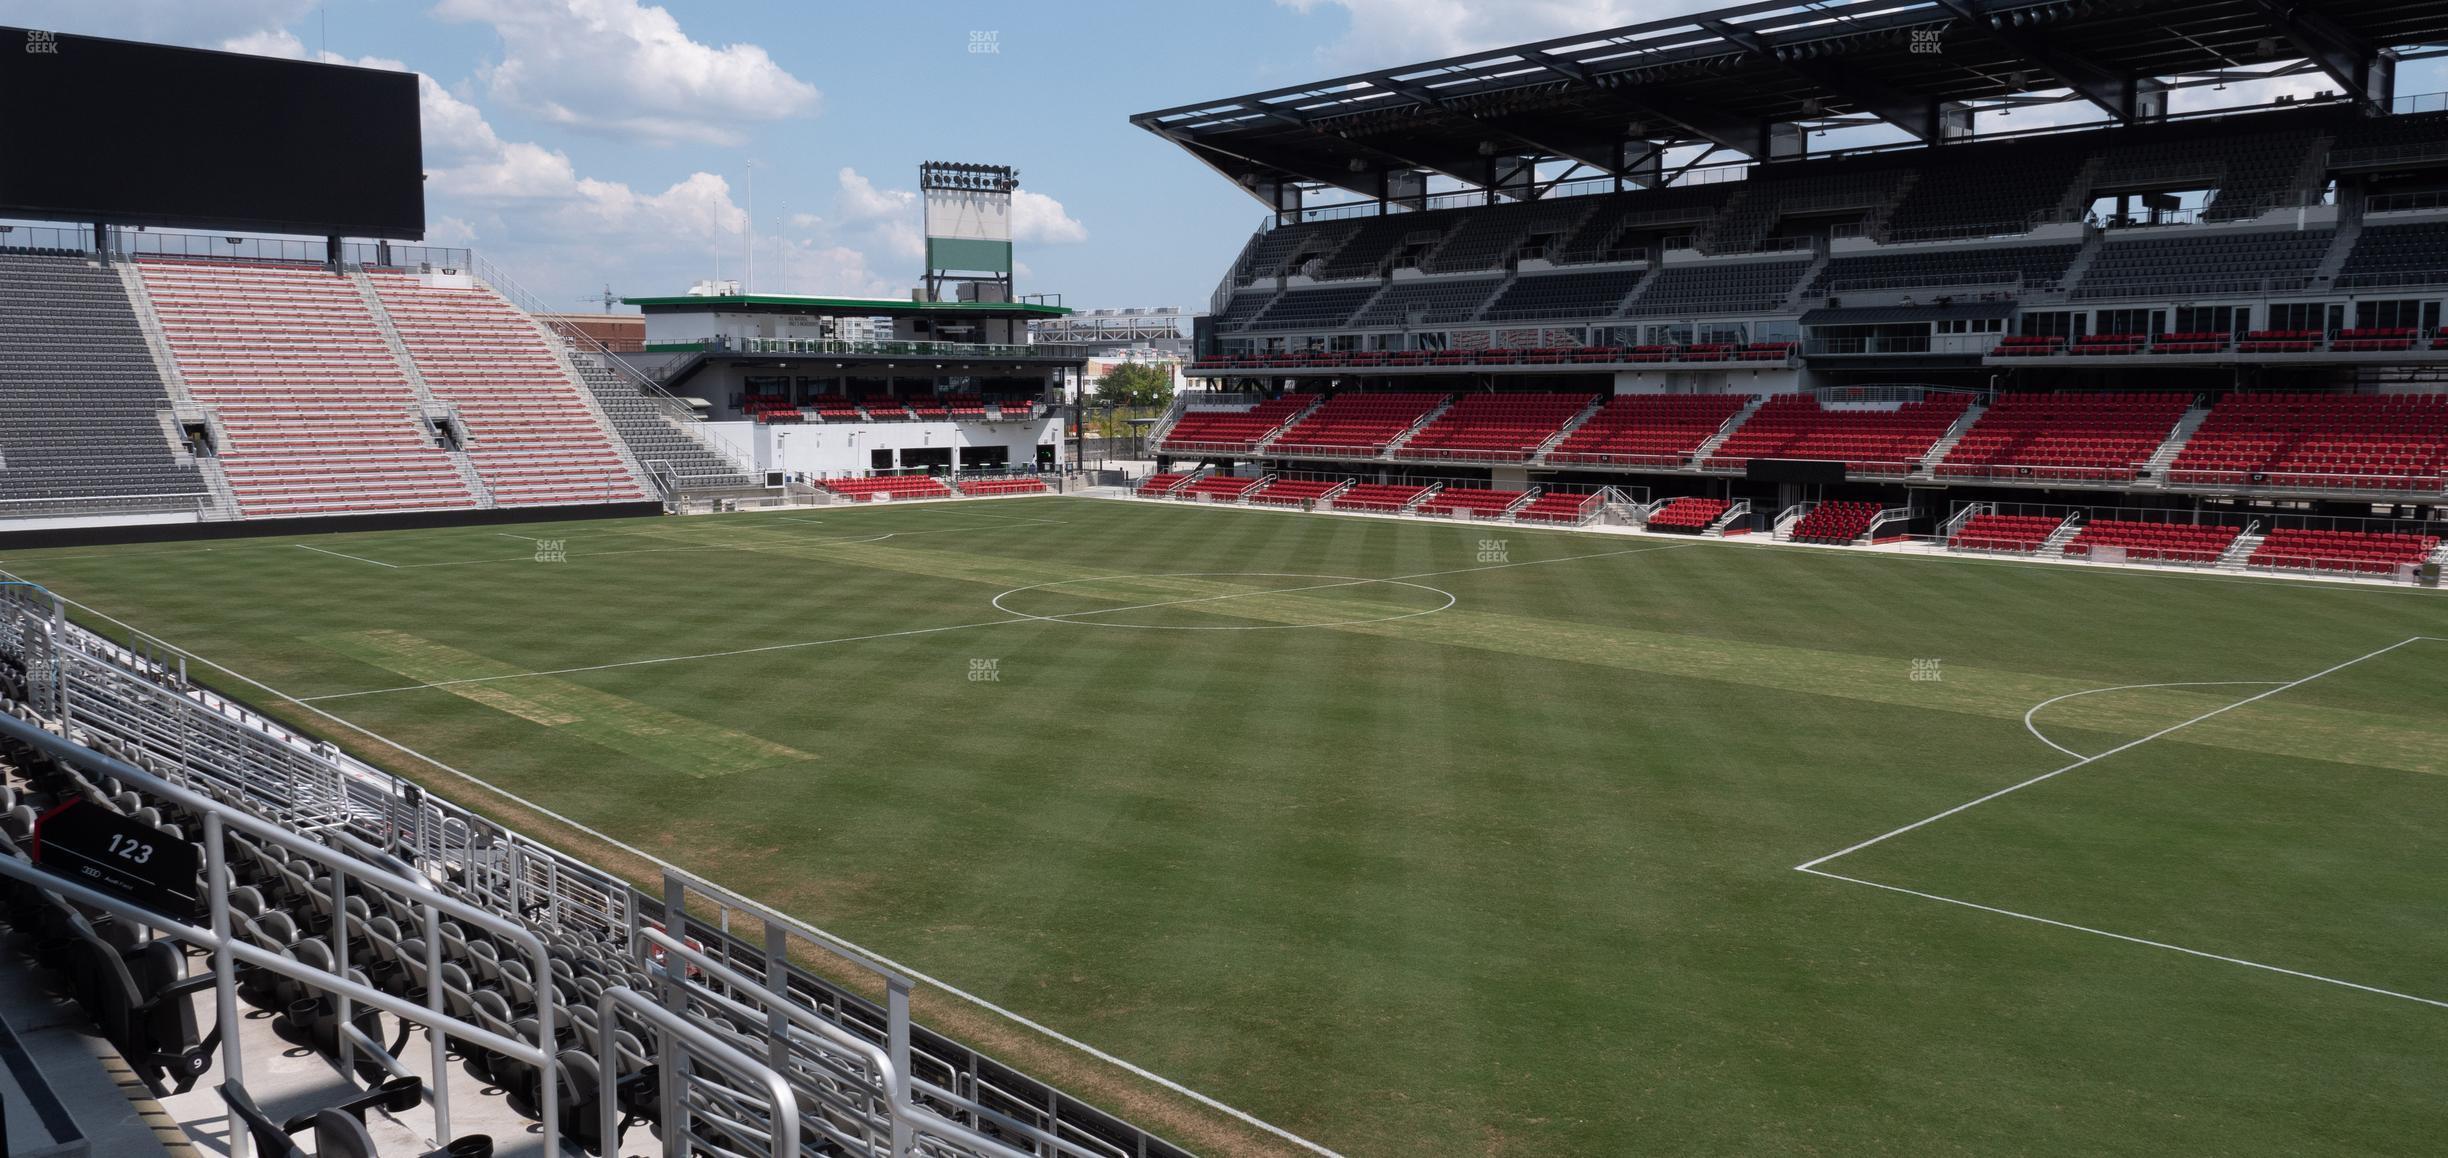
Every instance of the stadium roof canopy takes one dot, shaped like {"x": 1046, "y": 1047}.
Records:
{"x": 1614, "y": 100}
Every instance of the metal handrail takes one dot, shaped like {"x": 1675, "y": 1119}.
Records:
{"x": 227, "y": 950}
{"x": 704, "y": 1046}
{"x": 897, "y": 1083}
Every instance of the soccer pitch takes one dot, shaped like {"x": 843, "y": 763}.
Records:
{"x": 1422, "y": 838}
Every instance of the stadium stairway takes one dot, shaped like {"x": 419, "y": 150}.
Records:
{"x": 1566, "y": 431}
{"x": 2055, "y": 544}
{"x": 432, "y": 404}
{"x": 1702, "y": 452}
{"x": 183, "y": 406}
{"x": 2238, "y": 552}
{"x": 1938, "y": 450}
{"x": 2156, "y": 466}
{"x": 661, "y": 441}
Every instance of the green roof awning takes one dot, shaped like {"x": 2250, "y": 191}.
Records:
{"x": 845, "y": 307}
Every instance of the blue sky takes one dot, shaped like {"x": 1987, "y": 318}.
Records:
{"x": 580, "y": 143}
{"x": 577, "y": 143}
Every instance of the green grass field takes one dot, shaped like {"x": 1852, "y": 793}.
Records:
{"x": 1496, "y": 859}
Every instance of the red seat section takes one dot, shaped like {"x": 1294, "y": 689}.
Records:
{"x": 771, "y": 408}
{"x": 1835, "y": 522}
{"x": 1157, "y": 484}
{"x": 317, "y": 413}
{"x": 1019, "y": 485}
{"x": 2162, "y": 542}
{"x": 534, "y": 435}
{"x": 2006, "y": 532}
{"x": 1220, "y": 487}
{"x": 1292, "y": 492}
{"x": 1648, "y": 429}
{"x": 2083, "y": 436}
{"x": 1233, "y": 430}
{"x": 1496, "y": 427}
{"x": 1378, "y": 497}
{"x": 2353, "y": 441}
{"x": 965, "y": 407}
{"x": 1557, "y": 507}
{"x": 2368, "y": 552}
{"x": 1867, "y": 441}
{"x": 1688, "y": 515}
{"x": 2280, "y": 342}
{"x": 887, "y": 487}
{"x": 2369, "y": 340}
{"x": 835, "y": 408}
{"x": 884, "y": 408}
{"x": 1356, "y": 424}
{"x": 1478, "y": 502}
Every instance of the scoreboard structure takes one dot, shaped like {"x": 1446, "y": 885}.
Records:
{"x": 968, "y": 230}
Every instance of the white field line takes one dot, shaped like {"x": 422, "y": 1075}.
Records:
{"x": 2037, "y": 734}
{"x": 1034, "y": 1026}
{"x": 2130, "y": 744}
{"x": 932, "y": 630}
{"x": 2131, "y": 940}
{"x": 710, "y": 546}
{"x": 1296, "y": 590}
{"x": 338, "y": 555}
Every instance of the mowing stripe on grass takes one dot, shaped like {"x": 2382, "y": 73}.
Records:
{"x": 2130, "y": 744}
{"x": 691, "y": 747}
{"x": 2129, "y": 939}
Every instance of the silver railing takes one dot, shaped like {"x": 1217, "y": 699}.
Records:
{"x": 344, "y": 861}
{"x": 136, "y": 696}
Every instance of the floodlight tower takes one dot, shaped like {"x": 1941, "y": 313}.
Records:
{"x": 968, "y": 229}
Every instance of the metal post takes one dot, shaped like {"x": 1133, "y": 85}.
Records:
{"x": 225, "y": 974}
{"x": 435, "y": 1039}
{"x": 338, "y": 942}
{"x": 673, "y": 1070}
{"x": 897, "y": 1028}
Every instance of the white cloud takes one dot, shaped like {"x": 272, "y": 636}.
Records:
{"x": 862, "y": 201}
{"x": 621, "y": 68}
{"x": 1039, "y": 218}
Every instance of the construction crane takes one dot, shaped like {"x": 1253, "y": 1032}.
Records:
{"x": 607, "y": 300}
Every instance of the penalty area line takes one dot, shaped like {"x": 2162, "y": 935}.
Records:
{"x": 338, "y": 555}
{"x": 2132, "y": 940}
{"x": 1806, "y": 866}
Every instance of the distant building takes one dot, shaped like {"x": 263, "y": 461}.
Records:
{"x": 619, "y": 333}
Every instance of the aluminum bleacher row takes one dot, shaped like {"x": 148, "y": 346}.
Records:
{"x": 373, "y": 913}
{"x": 2090, "y": 435}
{"x": 80, "y": 398}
